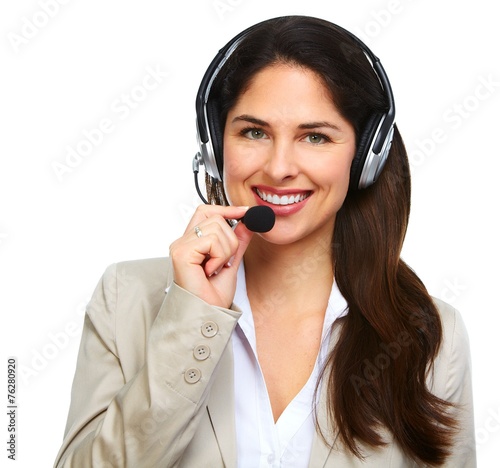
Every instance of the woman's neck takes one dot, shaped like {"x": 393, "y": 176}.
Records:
{"x": 289, "y": 278}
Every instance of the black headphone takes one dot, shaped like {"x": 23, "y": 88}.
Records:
{"x": 374, "y": 141}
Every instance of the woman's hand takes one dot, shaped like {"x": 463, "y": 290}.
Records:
{"x": 206, "y": 259}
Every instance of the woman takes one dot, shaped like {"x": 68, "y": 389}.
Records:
{"x": 312, "y": 344}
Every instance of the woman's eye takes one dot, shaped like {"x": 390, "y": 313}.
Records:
{"x": 317, "y": 138}
{"x": 254, "y": 133}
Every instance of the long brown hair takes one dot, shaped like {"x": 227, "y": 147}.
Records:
{"x": 376, "y": 374}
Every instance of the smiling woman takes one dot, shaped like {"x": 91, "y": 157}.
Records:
{"x": 312, "y": 344}
{"x": 295, "y": 156}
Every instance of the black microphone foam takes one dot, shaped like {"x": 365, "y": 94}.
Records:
{"x": 259, "y": 218}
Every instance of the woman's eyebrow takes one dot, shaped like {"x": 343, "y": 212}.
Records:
{"x": 312, "y": 125}
{"x": 249, "y": 118}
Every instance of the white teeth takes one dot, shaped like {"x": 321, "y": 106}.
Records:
{"x": 283, "y": 200}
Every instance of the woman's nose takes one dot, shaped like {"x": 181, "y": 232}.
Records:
{"x": 281, "y": 161}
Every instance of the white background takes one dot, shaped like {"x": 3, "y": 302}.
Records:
{"x": 65, "y": 70}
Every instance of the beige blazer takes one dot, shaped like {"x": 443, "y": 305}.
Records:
{"x": 143, "y": 397}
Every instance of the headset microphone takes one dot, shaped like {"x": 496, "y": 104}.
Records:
{"x": 259, "y": 218}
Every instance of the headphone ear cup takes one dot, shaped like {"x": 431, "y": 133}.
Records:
{"x": 216, "y": 135}
{"x": 364, "y": 145}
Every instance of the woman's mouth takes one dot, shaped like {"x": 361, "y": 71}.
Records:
{"x": 276, "y": 199}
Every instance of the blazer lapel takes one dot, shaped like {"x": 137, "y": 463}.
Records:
{"x": 221, "y": 408}
{"x": 321, "y": 451}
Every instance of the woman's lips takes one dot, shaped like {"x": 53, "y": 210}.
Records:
{"x": 275, "y": 199}
{"x": 283, "y": 202}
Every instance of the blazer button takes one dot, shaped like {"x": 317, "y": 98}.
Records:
{"x": 209, "y": 329}
{"x": 192, "y": 375}
{"x": 201, "y": 352}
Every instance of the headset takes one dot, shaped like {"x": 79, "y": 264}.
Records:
{"x": 374, "y": 141}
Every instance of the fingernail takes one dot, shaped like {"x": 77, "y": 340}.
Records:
{"x": 216, "y": 272}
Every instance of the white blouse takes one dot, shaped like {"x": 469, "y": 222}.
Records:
{"x": 261, "y": 442}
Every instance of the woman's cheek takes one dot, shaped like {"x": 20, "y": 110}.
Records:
{"x": 239, "y": 165}
{"x": 232, "y": 180}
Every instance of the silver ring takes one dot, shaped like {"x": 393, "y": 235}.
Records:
{"x": 198, "y": 232}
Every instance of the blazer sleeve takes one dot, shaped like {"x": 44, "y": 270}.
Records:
{"x": 452, "y": 381}
{"x": 151, "y": 418}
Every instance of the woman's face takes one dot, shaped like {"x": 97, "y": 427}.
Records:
{"x": 287, "y": 146}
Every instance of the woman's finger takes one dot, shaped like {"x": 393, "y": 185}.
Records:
{"x": 204, "y": 212}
